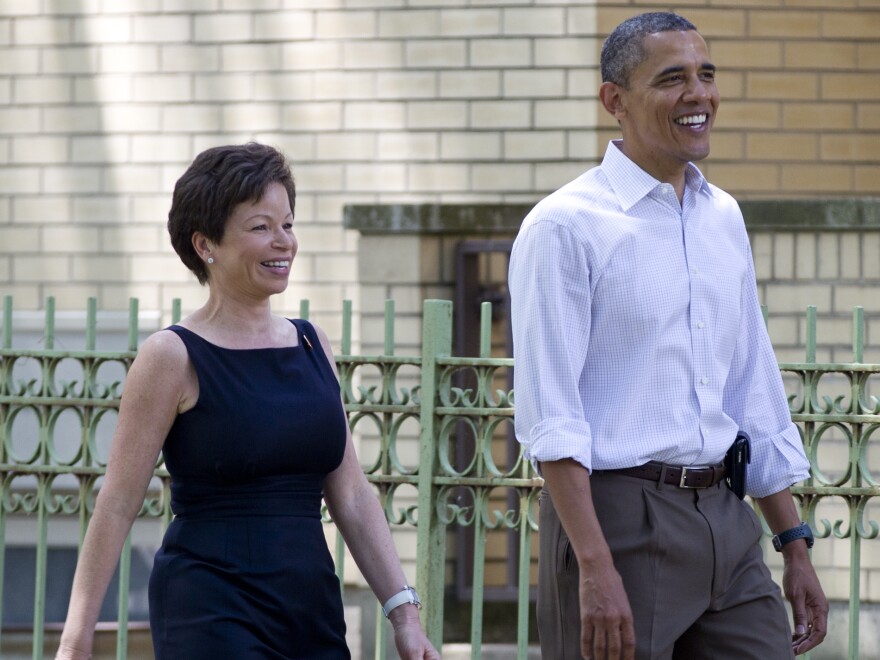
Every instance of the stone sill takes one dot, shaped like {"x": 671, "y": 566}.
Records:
{"x": 793, "y": 215}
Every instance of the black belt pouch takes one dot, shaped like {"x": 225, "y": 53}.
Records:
{"x": 736, "y": 463}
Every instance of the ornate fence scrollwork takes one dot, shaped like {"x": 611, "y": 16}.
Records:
{"x": 434, "y": 435}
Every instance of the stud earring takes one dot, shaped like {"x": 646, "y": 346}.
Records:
{"x": 210, "y": 260}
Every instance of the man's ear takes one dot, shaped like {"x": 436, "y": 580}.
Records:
{"x": 611, "y": 96}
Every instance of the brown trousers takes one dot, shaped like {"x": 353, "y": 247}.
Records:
{"x": 692, "y": 568}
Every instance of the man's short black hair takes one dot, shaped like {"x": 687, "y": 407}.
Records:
{"x": 218, "y": 180}
{"x": 623, "y": 50}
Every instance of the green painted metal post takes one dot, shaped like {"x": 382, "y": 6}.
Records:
{"x": 389, "y": 328}
{"x": 481, "y": 501}
{"x": 7, "y": 321}
{"x": 2, "y": 539}
{"x": 133, "y": 305}
{"x": 479, "y": 575}
{"x": 122, "y": 605}
{"x": 49, "y": 332}
{"x": 859, "y": 334}
{"x": 431, "y": 541}
{"x": 346, "y": 327}
{"x": 339, "y": 549}
{"x": 5, "y": 378}
{"x": 855, "y": 561}
{"x": 91, "y": 323}
{"x": 525, "y": 554}
{"x": 381, "y": 648}
{"x": 43, "y": 489}
{"x": 855, "y": 540}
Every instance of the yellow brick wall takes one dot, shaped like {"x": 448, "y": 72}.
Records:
{"x": 102, "y": 105}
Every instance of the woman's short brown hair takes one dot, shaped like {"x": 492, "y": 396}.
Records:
{"x": 218, "y": 180}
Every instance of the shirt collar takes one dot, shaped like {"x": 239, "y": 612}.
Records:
{"x": 631, "y": 183}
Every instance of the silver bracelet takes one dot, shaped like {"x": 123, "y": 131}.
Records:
{"x": 402, "y": 597}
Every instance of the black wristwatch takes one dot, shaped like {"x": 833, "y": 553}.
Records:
{"x": 802, "y": 531}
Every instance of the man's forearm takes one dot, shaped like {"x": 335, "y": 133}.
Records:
{"x": 569, "y": 485}
{"x": 779, "y": 511}
{"x": 781, "y": 514}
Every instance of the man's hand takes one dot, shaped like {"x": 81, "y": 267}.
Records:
{"x": 809, "y": 606}
{"x": 607, "y": 631}
{"x": 800, "y": 585}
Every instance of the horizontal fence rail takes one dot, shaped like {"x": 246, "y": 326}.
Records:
{"x": 429, "y": 429}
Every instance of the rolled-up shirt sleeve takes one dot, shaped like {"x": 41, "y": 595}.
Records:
{"x": 549, "y": 283}
{"x": 754, "y": 397}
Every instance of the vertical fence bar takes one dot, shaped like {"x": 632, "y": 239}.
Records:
{"x": 304, "y": 309}
{"x": 2, "y": 558}
{"x": 855, "y": 547}
{"x": 6, "y": 344}
{"x": 49, "y": 330}
{"x": 810, "y": 379}
{"x": 43, "y": 492}
{"x": 486, "y": 330}
{"x": 346, "y": 350}
{"x": 122, "y": 604}
{"x": 133, "y": 324}
{"x": 340, "y": 542}
{"x": 389, "y": 328}
{"x": 2, "y": 549}
{"x": 811, "y": 334}
{"x": 91, "y": 323}
{"x": 431, "y": 546}
{"x": 380, "y": 650}
{"x": 855, "y": 569}
{"x": 481, "y": 499}
{"x": 525, "y": 560}
{"x": 7, "y": 321}
{"x": 175, "y": 310}
{"x": 858, "y": 334}
{"x": 478, "y": 580}
{"x": 40, "y": 557}
{"x": 346, "y": 327}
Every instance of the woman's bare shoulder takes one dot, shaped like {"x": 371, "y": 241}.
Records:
{"x": 162, "y": 350}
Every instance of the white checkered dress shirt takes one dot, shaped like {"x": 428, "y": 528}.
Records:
{"x": 637, "y": 330}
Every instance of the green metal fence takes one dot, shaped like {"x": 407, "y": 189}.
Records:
{"x": 409, "y": 415}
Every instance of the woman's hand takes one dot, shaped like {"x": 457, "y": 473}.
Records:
{"x": 412, "y": 643}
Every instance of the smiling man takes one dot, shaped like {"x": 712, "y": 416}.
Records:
{"x": 641, "y": 355}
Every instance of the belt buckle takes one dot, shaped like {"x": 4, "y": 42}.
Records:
{"x": 682, "y": 483}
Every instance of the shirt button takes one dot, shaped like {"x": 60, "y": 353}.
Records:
{"x": 704, "y": 380}
{"x": 695, "y": 270}
{"x": 700, "y": 325}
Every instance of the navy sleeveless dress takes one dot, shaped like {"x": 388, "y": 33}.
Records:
{"x": 244, "y": 570}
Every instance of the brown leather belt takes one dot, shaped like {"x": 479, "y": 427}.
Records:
{"x": 703, "y": 476}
